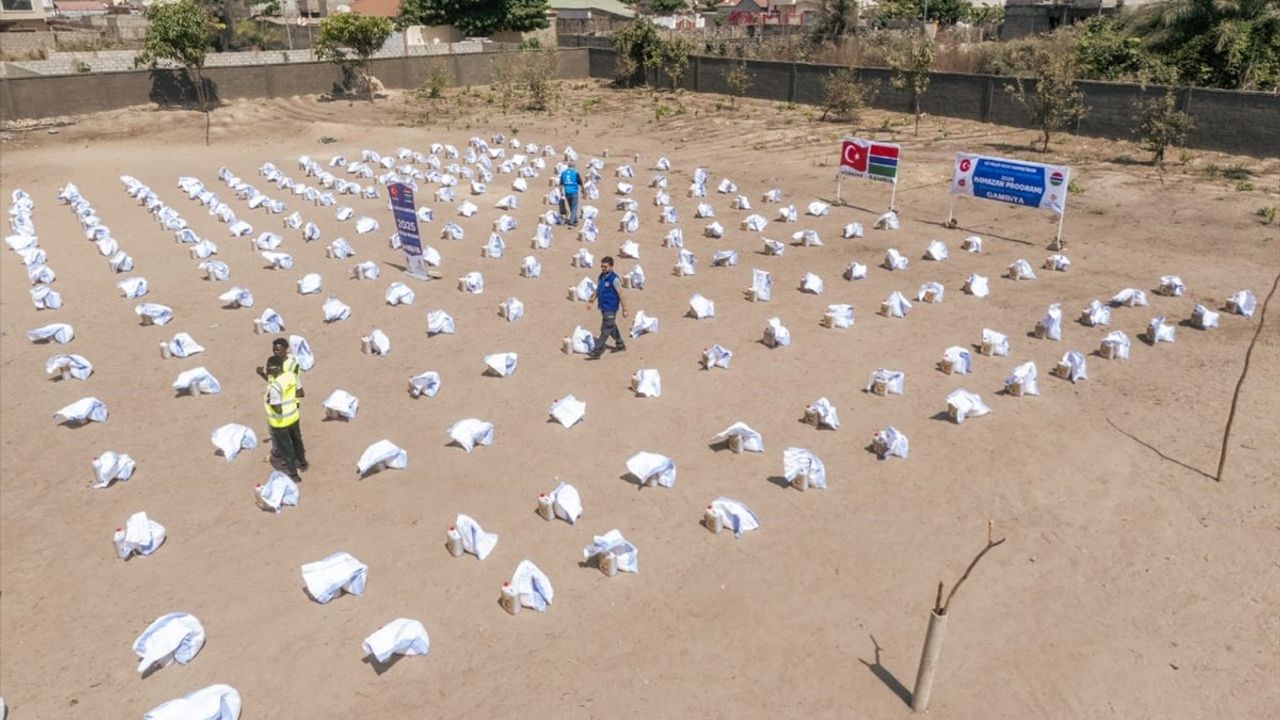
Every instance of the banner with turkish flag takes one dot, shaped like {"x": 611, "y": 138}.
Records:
{"x": 869, "y": 160}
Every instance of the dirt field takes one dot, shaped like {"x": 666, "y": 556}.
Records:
{"x": 1131, "y": 586}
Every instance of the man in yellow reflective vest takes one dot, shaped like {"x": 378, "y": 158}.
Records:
{"x": 284, "y": 416}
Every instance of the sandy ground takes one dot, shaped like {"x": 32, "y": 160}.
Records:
{"x": 1131, "y": 586}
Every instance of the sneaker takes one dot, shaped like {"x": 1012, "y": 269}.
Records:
{"x": 619, "y": 348}
{"x": 304, "y": 466}
{"x": 595, "y": 355}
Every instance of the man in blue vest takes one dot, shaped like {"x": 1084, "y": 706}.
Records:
{"x": 609, "y": 297}
{"x": 571, "y": 184}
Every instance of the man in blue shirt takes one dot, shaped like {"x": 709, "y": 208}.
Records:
{"x": 570, "y": 183}
{"x": 609, "y": 298}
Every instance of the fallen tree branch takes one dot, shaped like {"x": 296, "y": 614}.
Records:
{"x": 1235, "y": 397}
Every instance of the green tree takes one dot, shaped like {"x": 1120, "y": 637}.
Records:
{"x": 912, "y": 60}
{"x": 844, "y": 97}
{"x": 1222, "y": 43}
{"x": 1106, "y": 52}
{"x": 943, "y": 12}
{"x": 1056, "y": 102}
{"x": 667, "y": 7}
{"x": 836, "y": 19}
{"x": 180, "y": 32}
{"x": 639, "y": 49}
{"x": 1163, "y": 125}
{"x": 739, "y": 81}
{"x": 349, "y": 41}
{"x": 675, "y": 58}
{"x": 475, "y": 18}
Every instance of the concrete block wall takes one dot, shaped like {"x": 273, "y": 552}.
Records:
{"x": 1226, "y": 120}
{"x": 53, "y": 95}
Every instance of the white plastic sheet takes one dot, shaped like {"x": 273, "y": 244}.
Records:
{"x": 1201, "y": 317}
{"x": 634, "y": 278}
{"x": 894, "y": 260}
{"x": 776, "y": 334}
{"x": 937, "y": 251}
{"x": 807, "y": 238}
{"x": 650, "y": 468}
{"x": 111, "y": 466}
{"x": 817, "y": 208}
{"x": 887, "y": 221}
{"x": 773, "y": 247}
{"x": 133, "y": 287}
{"x": 1130, "y": 297}
{"x": 855, "y": 271}
{"x": 740, "y": 437}
{"x": 1096, "y": 314}
{"x": 1072, "y": 366}
{"x": 277, "y": 260}
{"x": 1242, "y": 302}
{"x": 798, "y": 462}
{"x": 716, "y": 356}
{"x": 216, "y": 702}
{"x": 761, "y": 289}
{"x": 963, "y": 404}
{"x": 46, "y": 298}
{"x": 439, "y": 321}
{"x": 140, "y": 535}
{"x": 994, "y": 343}
{"x": 1160, "y": 331}
{"x": 530, "y": 267}
{"x": 930, "y": 292}
{"x": 471, "y": 432}
{"x": 1115, "y": 345}
{"x": 890, "y": 442}
{"x": 1023, "y": 380}
{"x": 958, "y": 360}
{"x": 197, "y": 379}
{"x": 896, "y": 305}
{"x": 1050, "y": 326}
{"x": 533, "y": 586}
{"x": 838, "y": 316}
{"x": 366, "y": 225}
{"x": 335, "y": 310}
{"x": 754, "y": 223}
{"x": 701, "y": 308}
{"x": 568, "y": 410}
{"x": 401, "y": 636}
{"x": 852, "y": 230}
{"x": 647, "y": 383}
{"x": 501, "y": 364}
{"x": 153, "y": 313}
{"x": 310, "y": 283}
{"x": 340, "y": 572}
{"x": 713, "y": 230}
{"x": 976, "y": 285}
{"x": 1172, "y": 286}
{"x": 643, "y": 324}
{"x": 300, "y": 349}
{"x": 77, "y": 366}
{"x": 231, "y": 438}
{"x": 342, "y": 403}
{"x": 367, "y": 270}
{"x": 175, "y": 636}
{"x": 426, "y": 383}
{"x": 886, "y": 382}
{"x": 61, "y": 333}
{"x": 1059, "y": 263}
{"x": 686, "y": 263}
{"x": 1020, "y": 269}
{"x": 399, "y": 294}
{"x": 377, "y": 341}
{"x": 237, "y": 297}
{"x": 612, "y": 542}
{"x": 278, "y": 491}
{"x": 474, "y": 539}
{"x": 88, "y": 409}
{"x": 736, "y": 516}
{"x": 787, "y": 214}
{"x": 472, "y": 282}
{"x": 821, "y": 413}
{"x": 215, "y": 270}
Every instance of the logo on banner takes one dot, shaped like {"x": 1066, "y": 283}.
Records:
{"x": 870, "y": 160}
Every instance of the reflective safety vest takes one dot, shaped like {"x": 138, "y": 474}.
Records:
{"x": 286, "y": 384}
{"x": 291, "y": 365}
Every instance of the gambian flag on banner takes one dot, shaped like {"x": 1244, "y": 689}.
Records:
{"x": 870, "y": 160}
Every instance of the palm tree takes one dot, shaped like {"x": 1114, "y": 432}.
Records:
{"x": 1223, "y": 43}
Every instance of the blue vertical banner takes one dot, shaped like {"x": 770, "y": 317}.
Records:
{"x": 406, "y": 221}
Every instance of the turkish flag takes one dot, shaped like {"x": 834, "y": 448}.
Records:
{"x": 854, "y": 155}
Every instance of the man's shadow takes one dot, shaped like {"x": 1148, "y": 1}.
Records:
{"x": 886, "y": 677}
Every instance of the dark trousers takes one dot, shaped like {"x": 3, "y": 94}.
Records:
{"x": 571, "y": 200}
{"x": 608, "y": 329}
{"x": 288, "y": 445}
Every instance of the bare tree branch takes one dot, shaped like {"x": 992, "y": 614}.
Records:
{"x": 944, "y": 607}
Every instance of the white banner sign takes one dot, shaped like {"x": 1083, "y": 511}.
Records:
{"x": 1015, "y": 182}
